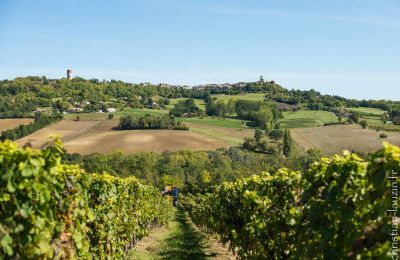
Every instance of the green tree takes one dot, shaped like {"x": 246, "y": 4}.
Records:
{"x": 287, "y": 143}
{"x": 364, "y": 124}
{"x": 258, "y": 135}
{"x": 276, "y": 134}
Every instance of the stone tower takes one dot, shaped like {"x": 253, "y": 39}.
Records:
{"x": 69, "y": 74}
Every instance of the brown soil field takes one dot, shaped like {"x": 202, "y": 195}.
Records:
{"x": 87, "y": 137}
{"x": 335, "y": 139}
{"x": 14, "y": 122}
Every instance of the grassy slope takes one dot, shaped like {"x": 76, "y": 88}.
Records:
{"x": 227, "y": 122}
{"x": 367, "y": 110}
{"x": 199, "y": 102}
{"x": 181, "y": 240}
{"x": 306, "y": 118}
{"x": 247, "y": 96}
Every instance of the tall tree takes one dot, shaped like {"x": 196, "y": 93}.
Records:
{"x": 287, "y": 143}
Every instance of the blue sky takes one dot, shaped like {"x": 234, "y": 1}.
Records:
{"x": 345, "y": 47}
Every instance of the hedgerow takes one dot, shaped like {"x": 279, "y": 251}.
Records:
{"x": 51, "y": 210}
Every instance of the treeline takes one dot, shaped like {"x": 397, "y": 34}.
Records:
{"x": 21, "y": 96}
{"x": 54, "y": 211}
{"x": 341, "y": 208}
{"x": 151, "y": 122}
{"x": 22, "y": 130}
{"x": 192, "y": 171}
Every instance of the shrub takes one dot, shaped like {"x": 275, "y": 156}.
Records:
{"x": 383, "y": 135}
{"x": 364, "y": 124}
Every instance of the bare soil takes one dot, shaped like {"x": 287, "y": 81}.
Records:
{"x": 87, "y": 137}
{"x": 14, "y": 122}
{"x": 336, "y": 138}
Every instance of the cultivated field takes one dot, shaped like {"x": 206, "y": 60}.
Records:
{"x": 335, "y": 139}
{"x": 87, "y": 137}
{"x": 14, "y": 122}
{"x": 306, "y": 118}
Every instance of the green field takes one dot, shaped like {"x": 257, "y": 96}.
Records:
{"x": 367, "y": 110}
{"x": 248, "y": 96}
{"x": 125, "y": 112}
{"x": 199, "y": 103}
{"x": 226, "y": 122}
{"x": 306, "y": 118}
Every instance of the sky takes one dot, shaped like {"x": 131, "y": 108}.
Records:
{"x": 349, "y": 48}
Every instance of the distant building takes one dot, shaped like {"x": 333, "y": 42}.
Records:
{"x": 69, "y": 74}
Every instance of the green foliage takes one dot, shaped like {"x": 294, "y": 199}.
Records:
{"x": 338, "y": 209}
{"x": 20, "y": 131}
{"x": 187, "y": 106}
{"x": 287, "y": 143}
{"x": 264, "y": 114}
{"x": 193, "y": 171}
{"x": 151, "y": 122}
{"x": 354, "y": 117}
{"x": 50, "y": 210}
{"x": 256, "y": 215}
{"x": 364, "y": 124}
{"x": 258, "y": 134}
{"x": 276, "y": 134}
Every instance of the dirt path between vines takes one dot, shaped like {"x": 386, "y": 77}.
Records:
{"x": 180, "y": 240}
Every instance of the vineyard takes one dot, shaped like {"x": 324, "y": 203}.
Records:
{"x": 341, "y": 208}
{"x": 51, "y": 210}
